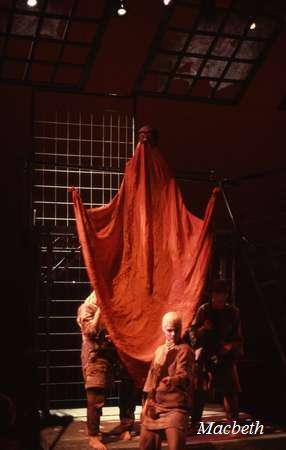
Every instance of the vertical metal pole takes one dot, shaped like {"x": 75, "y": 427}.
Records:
{"x": 222, "y": 267}
{"x": 48, "y": 296}
{"x": 233, "y": 272}
{"x": 261, "y": 298}
{"x": 134, "y": 120}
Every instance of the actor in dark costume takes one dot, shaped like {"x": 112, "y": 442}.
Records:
{"x": 165, "y": 412}
{"x": 215, "y": 335}
{"x": 99, "y": 361}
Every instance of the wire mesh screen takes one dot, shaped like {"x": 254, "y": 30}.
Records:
{"x": 78, "y": 150}
{"x": 88, "y": 151}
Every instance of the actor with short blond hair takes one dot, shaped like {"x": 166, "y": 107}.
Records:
{"x": 166, "y": 409}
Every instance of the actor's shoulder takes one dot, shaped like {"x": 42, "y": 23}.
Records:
{"x": 159, "y": 349}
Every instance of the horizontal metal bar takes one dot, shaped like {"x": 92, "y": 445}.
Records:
{"x": 60, "y": 250}
{"x": 75, "y": 366}
{"x": 72, "y": 88}
{"x": 69, "y": 139}
{"x": 59, "y": 334}
{"x": 104, "y": 171}
{"x": 47, "y": 15}
{"x": 57, "y": 317}
{"x": 55, "y": 282}
{"x": 272, "y": 172}
{"x": 75, "y": 400}
{"x": 88, "y": 124}
{"x": 70, "y": 267}
{"x": 219, "y": 34}
{"x": 41, "y": 61}
{"x": 210, "y": 57}
{"x": 77, "y": 169}
{"x": 56, "y": 88}
{"x": 187, "y": 98}
{"x": 56, "y": 219}
{"x": 62, "y": 384}
{"x": 43, "y": 39}
{"x": 63, "y": 301}
{"x": 39, "y": 202}
{"x": 61, "y": 350}
{"x": 197, "y": 78}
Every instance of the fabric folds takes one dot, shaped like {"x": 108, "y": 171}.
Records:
{"x": 145, "y": 254}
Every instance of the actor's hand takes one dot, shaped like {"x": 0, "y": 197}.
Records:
{"x": 167, "y": 381}
{"x": 108, "y": 337}
{"x": 198, "y": 353}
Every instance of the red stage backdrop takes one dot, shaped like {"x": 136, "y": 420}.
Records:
{"x": 145, "y": 254}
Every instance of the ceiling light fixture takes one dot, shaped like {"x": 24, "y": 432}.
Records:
{"x": 121, "y": 10}
{"x": 31, "y": 3}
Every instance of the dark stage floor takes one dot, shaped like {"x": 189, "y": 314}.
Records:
{"x": 69, "y": 433}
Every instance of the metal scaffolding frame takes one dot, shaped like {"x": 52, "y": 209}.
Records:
{"x": 88, "y": 151}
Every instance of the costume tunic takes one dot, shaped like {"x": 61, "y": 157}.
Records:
{"x": 167, "y": 405}
{"x": 216, "y": 368}
{"x": 100, "y": 363}
{"x": 97, "y": 353}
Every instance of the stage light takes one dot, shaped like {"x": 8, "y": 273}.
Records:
{"x": 252, "y": 26}
{"x": 121, "y": 10}
{"x": 31, "y": 3}
{"x": 167, "y": 2}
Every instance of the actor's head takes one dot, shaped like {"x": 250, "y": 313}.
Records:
{"x": 148, "y": 134}
{"x": 220, "y": 293}
{"x": 172, "y": 327}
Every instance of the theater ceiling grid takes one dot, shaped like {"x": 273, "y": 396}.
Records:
{"x": 207, "y": 50}
{"x": 52, "y": 44}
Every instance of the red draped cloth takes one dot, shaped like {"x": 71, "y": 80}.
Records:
{"x": 145, "y": 254}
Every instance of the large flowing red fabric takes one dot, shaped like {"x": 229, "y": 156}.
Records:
{"x": 145, "y": 254}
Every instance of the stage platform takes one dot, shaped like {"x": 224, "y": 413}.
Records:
{"x": 67, "y": 431}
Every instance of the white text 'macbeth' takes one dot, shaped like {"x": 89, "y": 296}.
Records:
{"x": 234, "y": 428}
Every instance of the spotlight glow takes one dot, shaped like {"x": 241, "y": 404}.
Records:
{"x": 122, "y": 10}
{"x": 252, "y": 26}
{"x": 167, "y": 2}
{"x": 31, "y": 3}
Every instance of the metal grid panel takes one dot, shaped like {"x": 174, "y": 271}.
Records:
{"x": 84, "y": 151}
{"x": 88, "y": 151}
{"x": 52, "y": 43}
{"x": 206, "y": 52}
